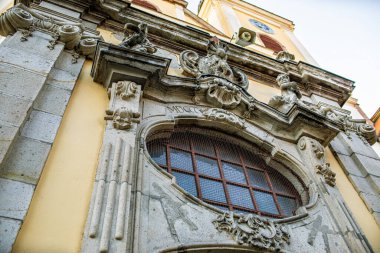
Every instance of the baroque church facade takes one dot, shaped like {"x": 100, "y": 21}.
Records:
{"x": 139, "y": 126}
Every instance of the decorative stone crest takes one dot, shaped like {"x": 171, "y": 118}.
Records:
{"x": 315, "y": 156}
{"x": 290, "y": 94}
{"x": 123, "y": 118}
{"x": 213, "y": 64}
{"x": 21, "y": 18}
{"x": 126, "y": 89}
{"x": 224, "y": 116}
{"x": 136, "y": 38}
{"x": 254, "y": 231}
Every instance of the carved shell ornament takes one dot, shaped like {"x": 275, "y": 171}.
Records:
{"x": 213, "y": 64}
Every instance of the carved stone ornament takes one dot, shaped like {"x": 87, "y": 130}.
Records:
{"x": 123, "y": 118}
{"x": 21, "y": 18}
{"x": 290, "y": 94}
{"x": 315, "y": 156}
{"x": 126, "y": 89}
{"x": 136, "y": 38}
{"x": 224, "y": 116}
{"x": 213, "y": 64}
{"x": 365, "y": 131}
{"x": 285, "y": 56}
{"x": 254, "y": 231}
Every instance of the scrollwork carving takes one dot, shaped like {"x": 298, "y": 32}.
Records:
{"x": 213, "y": 64}
{"x": 226, "y": 116}
{"x": 126, "y": 89}
{"x": 136, "y": 38}
{"x": 122, "y": 118}
{"x": 27, "y": 21}
{"x": 285, "y": 56}
{"x": 254, "y": 231}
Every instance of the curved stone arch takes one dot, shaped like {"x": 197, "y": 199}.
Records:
{"x": 277, "y": 158}
{"x": 212, "y": 248}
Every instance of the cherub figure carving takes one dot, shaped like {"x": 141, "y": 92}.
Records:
{"x": 136, "y": 38}
{"x": 290, "y": 94}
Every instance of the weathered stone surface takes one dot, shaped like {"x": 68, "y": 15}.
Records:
{"x": 372, "y": 202}
{"x": 361, "y": 184}
{"x": 367, "y": 164}
{"x": 349, "y": 166}
{"x": 59, "y": 9}
{"x": 8, "y": 232}
{"x": 13, "y": 110}
{"x": 7, "y": 135}
{"x": 14, "y": 198}
{"x": 375, "y": 181}
{"x": 26, "y": 160}
{"x": 41, "y": 126}
{"x": 12, "y": 82}
{"x": 61, "y": 79}
{"x": 26, "y": 60}
{"x": 64, "y": 63}
{"x": 339, "y": 147}
{"x": 52, "y": 100}
{"x": 38, "y": 42}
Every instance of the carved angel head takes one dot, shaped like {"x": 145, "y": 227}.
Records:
{"x": 214, "y": 47}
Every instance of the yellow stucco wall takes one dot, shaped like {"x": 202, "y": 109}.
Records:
{"x": 356, "y": 205}
{"x": 58, "y": 211}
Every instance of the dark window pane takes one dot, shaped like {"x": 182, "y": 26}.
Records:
{"x": 278, "y": 182}
{"x": 240, "y": 196}
{"x": 179, "y": 140}
{"x": 180, "y": 160}
{"x": 203, "y": 145}
{"x": 265, "y": 202}
{"x": 158, "y": 154}
{"x": 212, "y": 190}
{"x": 234, "y": 173}
{"x": 257, "y": 178}
{"x": 228, "y": 152}
{"x": 207, "y": 166}
{"x": 288, "y": 205}
{"x": 187, "y": 182}
{"x": 252, "y": 160}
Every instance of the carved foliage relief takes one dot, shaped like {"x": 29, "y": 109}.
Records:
{"x": 254, "y": 231}
{"x": 224, "y": 116}
{"x": 136, "y": 38}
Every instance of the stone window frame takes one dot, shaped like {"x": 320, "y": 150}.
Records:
{"x": 276, "y": 159}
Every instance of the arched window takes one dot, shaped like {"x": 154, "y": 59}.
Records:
{"x": 271, "y": 43}
{"x": 223, "y": 173}
{"x": 146, "y": 4}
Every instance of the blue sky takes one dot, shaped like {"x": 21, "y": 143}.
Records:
{"x": 342, "y": 35}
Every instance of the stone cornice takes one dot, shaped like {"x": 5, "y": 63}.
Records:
{"x": 311, "y": 79}
{"x": 113, "y": 63}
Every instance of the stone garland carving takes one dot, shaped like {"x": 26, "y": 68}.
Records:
{"x": 24, "y": 19}
{"x": 251, "y": 108}
{"x": 285, "y": 56}
{"x": 122, "y": 118}
{"x": 136, "y": 38}
{"x": 290, "y": 94}
{"x": 315, "y": 153}
{"x": 226, "y": 116}
{"x": 254, "y": 231}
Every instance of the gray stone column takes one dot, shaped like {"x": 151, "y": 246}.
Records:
{"x": 362, "y": 167}
{"x": 35, "y": 86}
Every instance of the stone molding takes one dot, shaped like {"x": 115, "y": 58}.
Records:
{"x": 27, "y": 21}
{"x": 224, "y": 116}
{"x": 254, "y": 231}
{"x": 315, "y": 155}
